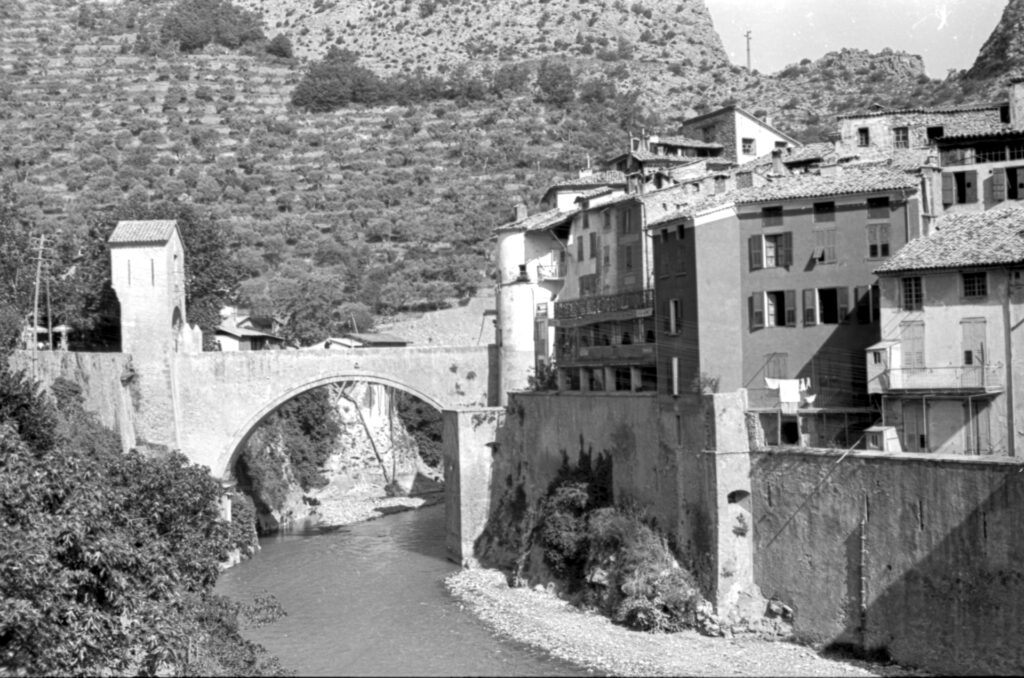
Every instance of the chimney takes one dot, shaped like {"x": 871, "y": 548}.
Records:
{"x": 778, "y": 168}
{"x": 1017, "y": 103}
{"x": 520, "y": 211}
{"x": 767, "y": 119}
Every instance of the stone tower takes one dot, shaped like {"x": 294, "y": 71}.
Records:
{"x": 147, "y": 272}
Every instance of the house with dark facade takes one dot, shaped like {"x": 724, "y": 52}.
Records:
{"x": 952, "y": 306}
{"x": 742, "y": 135}
{"x": 772, "y": 289}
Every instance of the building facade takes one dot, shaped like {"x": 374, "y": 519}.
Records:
{"x": 952, "y": 305}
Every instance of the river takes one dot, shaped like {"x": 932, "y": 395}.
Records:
{"x": 369, "y": 599}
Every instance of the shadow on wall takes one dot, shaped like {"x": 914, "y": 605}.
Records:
{"x": 921, "y": 560}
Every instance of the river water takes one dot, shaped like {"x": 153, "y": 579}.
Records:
{"x": 369, "y": 599}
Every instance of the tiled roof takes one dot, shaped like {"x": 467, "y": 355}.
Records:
{"x": 593, "y": 193}
{"x": 987, "y": 238}
{"x": 1004, "y": 131}
{"x": 143, "y": 231}
{"x": 896, "y": 111}
{"x": 651, "y": 157}
{"x": 848, "y": 179}
{"x": 609, "y": 177}
{"x": 695, "y": 205}
{"x": 540, "y": 221}
{"x": 243, "y": 332}
{"x": 794, "y": 155}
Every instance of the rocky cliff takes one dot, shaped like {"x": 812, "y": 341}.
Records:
{"x": 1003, "y": 52}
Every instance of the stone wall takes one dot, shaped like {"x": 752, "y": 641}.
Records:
{"x": 106, "y": 379}
{"x": 919, "y": 555}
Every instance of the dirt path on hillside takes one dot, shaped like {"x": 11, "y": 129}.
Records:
{"x": 590, "y": 640}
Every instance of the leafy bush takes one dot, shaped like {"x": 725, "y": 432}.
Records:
{"x": 194, "y": 24}
{"x": 107, "y": 560}
{"x": 280, "y": 46}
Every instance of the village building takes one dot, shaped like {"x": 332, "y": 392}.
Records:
{"x": 951, "y": 310}
{"x": 771, "y": 289}
{"x": 742, "y": 136}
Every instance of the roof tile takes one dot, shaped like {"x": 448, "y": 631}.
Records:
{"x": 987, "y": 238}
{"x": 143, "y": 231}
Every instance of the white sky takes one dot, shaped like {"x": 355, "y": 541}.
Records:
{"x": 946, "y": 33}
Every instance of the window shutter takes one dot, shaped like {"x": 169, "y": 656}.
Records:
{"x": 757, "y": 310}
{"x": 786, "y": 253}
{"x": 872, "y": 240}
{"x": 756, "y": 253}
{"x": 862, "y": 302}
{"x": 843, "y": 294}
{"x": 998, "y": 184}
{"x": 790, "y": 308}
{"x": 830, "y": 245}
{"x": 948, "y": 189}
{"x": 810, "y": 307}
{"x": 883, "y": 240}
{"x": 972, "y": 185}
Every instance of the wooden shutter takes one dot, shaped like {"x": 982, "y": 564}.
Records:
{"x": 785, "y": 251}
{"x": 971, "y": 185}
{"x": 843, "y": 297}
{"x": 830, "y": 244}
{"x": 872, "y": 241}
{"x": 948, "y": 189}
{"x": 862, "y": 302}
{"x": 810, "y": 307}
{"x": 883, "y": 240}
{"x": 790, "y": 308}
{"x": 756, "y": 310}
{"x": 756, "y": 252}
{"x": 998, "y": 184}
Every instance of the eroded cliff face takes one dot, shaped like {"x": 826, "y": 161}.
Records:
{"x": 1003, "y": 52}
{"x": 374, "y": 457}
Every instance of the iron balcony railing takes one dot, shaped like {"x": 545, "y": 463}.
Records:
{"x": 959, "y": 378}
{"x": 608, "y": 303}
{"x": 637, "y": 353}
{"x": 551, "y": 272}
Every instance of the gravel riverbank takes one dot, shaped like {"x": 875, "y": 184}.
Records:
{"x": 590, "y": 640}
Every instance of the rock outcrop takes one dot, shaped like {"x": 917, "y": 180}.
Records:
{"x": 1003, "y": 52}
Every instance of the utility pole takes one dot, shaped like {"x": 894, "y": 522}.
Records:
{"x": 747, "y": 36}
{"x": 35, "y": 310}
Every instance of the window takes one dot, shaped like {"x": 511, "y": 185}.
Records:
{"x": 901, "y": 137}
{"x": 579, "y": 247}
{"x": 708, "y": 133}
{"x": 975, "y": 284}
{"x": 629, "y": 258}
{"x": 781, "y": 144}
{"x": 824, "y": 212}
{"x": 749, "y": 147}
{"x": 912, "y": 343}
{"x": 627, "y": 222}
{"x": 935, "y": 132}
{"x": 878, "y": 208}
{"x": 863, "y": 136}
{"x": 606, "y": 256}
{"x": 607, "y": 215}
{"x": 959, "y": 187}
{"x": 912, "y": 296}
{"x": 878, "y": 240}
{"x": 771, "y": 251}
{"x": 586, "y": 220}
{"x": 833, "y": 305}
{"x": 771, "y": 216}
{"x": 825, "y": 245}
{"x": 593, "y": 245}
{"x": 673, "y": 316}
{"x": 776, "y": 308}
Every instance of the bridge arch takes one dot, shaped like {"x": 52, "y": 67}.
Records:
{"x": 241, "y": 434}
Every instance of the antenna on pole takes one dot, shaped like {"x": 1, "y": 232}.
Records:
{"x": 35, "y": 304}
{"x": 747, "y": 36}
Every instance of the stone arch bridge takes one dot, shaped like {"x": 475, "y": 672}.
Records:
{"x": 206, "y": 404}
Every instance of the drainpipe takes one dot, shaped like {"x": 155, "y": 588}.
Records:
{"x": 1008, "y": 339}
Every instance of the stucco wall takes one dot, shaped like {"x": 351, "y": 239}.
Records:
{"x": 943, "y": 553}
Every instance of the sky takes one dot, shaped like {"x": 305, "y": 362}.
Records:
{"x": 946, "y": 33}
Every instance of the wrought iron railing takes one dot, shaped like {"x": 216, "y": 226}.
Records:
{"x": 641, "y": 353}
{"x": 963, "y": 377}
{"x": 586, "y": 306}
{"x": 551, "y": 272}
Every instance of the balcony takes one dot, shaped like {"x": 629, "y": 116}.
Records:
{"x": 617, "y": 353}
{"x": 964, "y": 379}
{"x": 622, "y": 306}
{"x": 550, "y": 272}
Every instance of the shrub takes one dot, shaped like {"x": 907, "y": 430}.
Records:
{"x": 280, "y": 46}
{"x": 194, "y": 24}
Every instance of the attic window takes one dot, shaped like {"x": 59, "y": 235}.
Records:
{"x": 749, "y": 147}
